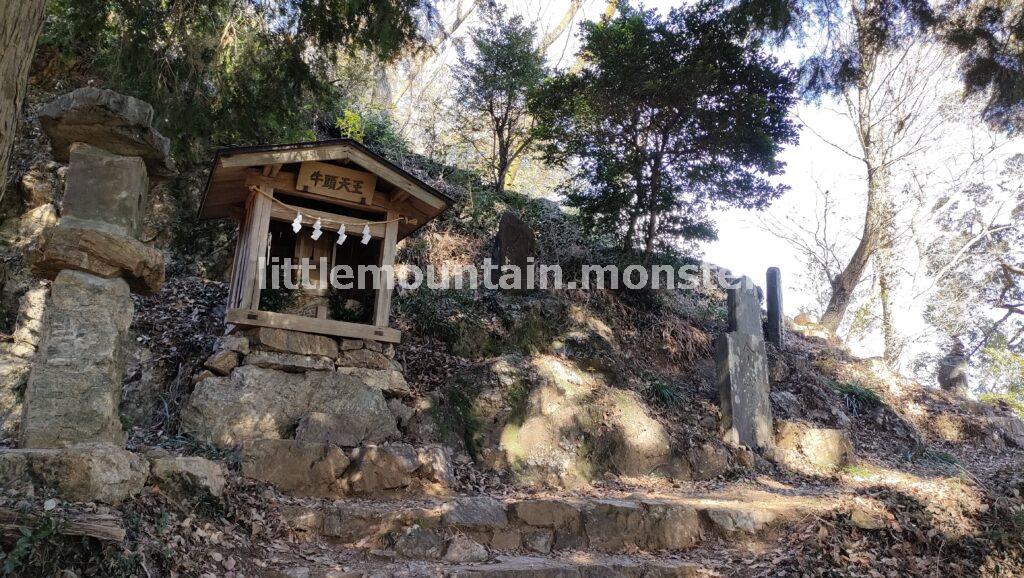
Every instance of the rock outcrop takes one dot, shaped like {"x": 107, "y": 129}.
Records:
{"x": 84, "y": 472}
{"x": 255, "y": 403}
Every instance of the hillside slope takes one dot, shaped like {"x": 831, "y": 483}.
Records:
{"x": 581, "y": 429}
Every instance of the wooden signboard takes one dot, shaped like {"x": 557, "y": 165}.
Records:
{"x": 336, "y": 182}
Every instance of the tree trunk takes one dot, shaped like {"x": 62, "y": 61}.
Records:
{"x": 892, "y": 349}
{"x": 20, "y": 24}
{"x": 627, "y": 242}
{"x": 884, "y": 263}
{"x": 846, "y": 282}
{"x": 652, "y": 232}
{"x": 871, "y": 145}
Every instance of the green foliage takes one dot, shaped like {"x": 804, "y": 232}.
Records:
{"x": 1014, "y": 400}
{"x": 493, "y": 83}
{"x": 338, "y": 301}
{"x": 277, "y": 300}
{"x": 226, "y": 72}
{"x": 41, "y": 550}
{"x": 457, "y": 418}
{"x": 476, "y": 325}
{"x": 669, "y": 118}
{"x": 990, "y": 33}
{"x": 857, "y": 397}
{"x": 666, "y": 394}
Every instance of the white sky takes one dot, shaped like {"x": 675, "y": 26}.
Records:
{"x": 745, "y": 246}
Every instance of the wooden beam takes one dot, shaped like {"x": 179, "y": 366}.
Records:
{"x": 253, "y": 318}
{"x": 100, "y": 526}
{"x": 382, "y": 309}
{"x": 353, "y": 225}
{"x": 326, "y": 153}
{"x": 335, "y": 152}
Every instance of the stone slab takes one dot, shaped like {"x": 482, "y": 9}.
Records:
{"x": 743, "y": 389}
{"x": 74, "y": 387}
{"x": 773, "y": 288}
{"x": 104, "y": 191}
{"x": 100, "y": 253}
{"x": 109, "y": 120}
{"x": 347, "y": 430}
{"x": 745, "y": 308}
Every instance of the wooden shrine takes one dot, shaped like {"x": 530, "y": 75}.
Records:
{"x": 315, "y": 186}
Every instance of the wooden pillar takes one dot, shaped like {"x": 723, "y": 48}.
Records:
{"x": 251, "y": 246}
{"x": 382, "y": 309}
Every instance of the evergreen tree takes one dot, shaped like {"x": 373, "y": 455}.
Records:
{"x": 667, "y": 118}
{"x": 493, "y": 83}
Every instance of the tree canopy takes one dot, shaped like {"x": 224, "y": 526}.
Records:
{"x": 493, "y": 81}
{"x": 668, "y": 117}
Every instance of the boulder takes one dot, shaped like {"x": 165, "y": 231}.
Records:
{"x": 254, "y": 403}
{"x": 221, "y": 362}
{"x": 382, "y": 469}
{"x": 709, "y": 460}
{"x": 347, "y": 430}
{"x": 403, "y": 413}
{"x": 181, "y": 476}
{"x": 106, "y": 119}
{"x": 83, "y": 473}
{"x": 568, "y": 425}
{"x": 34, "y": 224}
{"x": 99, "y": 253}
{"x": 564, "y": 517}
{"x": 506, "y": 539}
{"x": 295, "y": 467}
{"x": 811, "y": 449}
{"x": 462, "y": 550}
{"x": 290, "y": 362}
{"x": 364, "y": 358}
{"x": 475, "y": 513}
{"x": 74, "y": 388}
{"x": 540, "y": 541}
{"x": 389, "y": 381}
{"x": 396, "y": 468}
{"x": 293, "y": 342}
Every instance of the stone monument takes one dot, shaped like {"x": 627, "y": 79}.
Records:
{"x": 742, "y": 370}
{"x": 514, "y": 244}
{"x": 94, "y": 260}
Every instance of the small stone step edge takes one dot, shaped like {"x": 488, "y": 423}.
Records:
{"x": 648, "y": 524}
{"x": 525, "y": 566}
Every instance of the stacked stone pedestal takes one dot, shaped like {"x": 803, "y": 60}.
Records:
{"x": 313, "y": 415}
{"x": 70, "y": 428}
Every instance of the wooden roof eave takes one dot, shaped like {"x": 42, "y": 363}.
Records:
{"x": 277, "y": 155}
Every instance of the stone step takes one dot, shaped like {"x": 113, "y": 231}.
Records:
{"x": 425, "y": 529}
{"x": 586, "y": 566}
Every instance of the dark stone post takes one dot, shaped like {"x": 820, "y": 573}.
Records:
{"x": 774, "y": 301}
